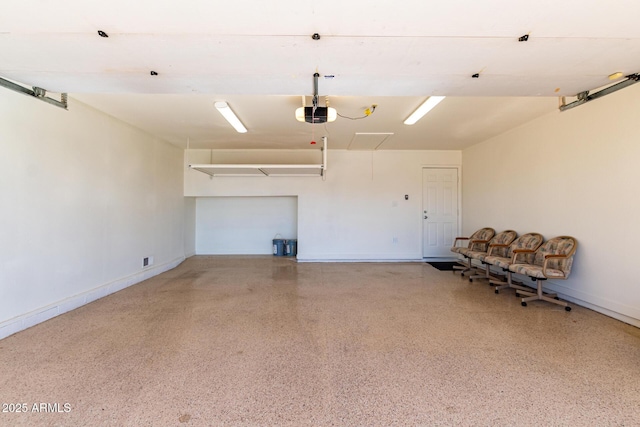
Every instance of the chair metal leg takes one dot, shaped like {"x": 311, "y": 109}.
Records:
{"x": 541, "y": 295}
{"x": 463, "y": 268}
{"x": 502, "y": 283}
{"x": 509, "y": 284}
{"x": 480, "y": 274}
{"x": 496, "y": 277}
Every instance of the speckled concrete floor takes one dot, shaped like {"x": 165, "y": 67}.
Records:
{"x": 268, "y": 341}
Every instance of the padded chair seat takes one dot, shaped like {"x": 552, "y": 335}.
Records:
{"x": 469, "y": 253}
{"x": 535, "y": 271}
{"x": 457, "y": 249}
{"x": 464, "y": 251}
{"x": 498, "y": 261}
{"x": 477, "y": 255}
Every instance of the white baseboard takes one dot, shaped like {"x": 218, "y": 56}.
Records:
{"x": 405, "y": 257}
{"x": 42, "y": 314}
{"x": 622, "y": 312}
{"x": 360, "y": 260}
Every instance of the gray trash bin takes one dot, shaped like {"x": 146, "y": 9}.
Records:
{"x": 279, "y": 247}
{"x": 291, "y": 247}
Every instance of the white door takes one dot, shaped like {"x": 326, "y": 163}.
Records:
{"x": 439, "y": 211}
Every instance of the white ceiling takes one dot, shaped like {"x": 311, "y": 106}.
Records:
{"x": 260, "y": 57}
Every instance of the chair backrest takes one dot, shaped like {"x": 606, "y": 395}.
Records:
{"x": 502, "y": 238}
{"x": 528, "y": 241}
{"x": 561, "y": 245}
{"x": 482, "y": 234}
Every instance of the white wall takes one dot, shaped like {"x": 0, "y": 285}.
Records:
{"x": 351, "y": 215}
{"x": 244, "y": 225}
{"x": 189, "y": 226}
{"x": 574, "y": 173}
{"x": 84, "y": 199}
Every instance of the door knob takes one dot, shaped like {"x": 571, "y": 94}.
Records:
{"x": 426, "y": 217}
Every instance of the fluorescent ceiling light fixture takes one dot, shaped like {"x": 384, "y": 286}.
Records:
{"x": 228, "y": 114}
{"x": 431, "y": 102}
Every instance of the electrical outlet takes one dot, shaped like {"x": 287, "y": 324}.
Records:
{"x": 145, "y": 262}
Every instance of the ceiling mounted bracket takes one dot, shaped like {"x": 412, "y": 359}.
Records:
{"x": 584, "y": 97}
{"x": 316, "y": 114}
{"x": 315, "y": 89}
{"x": 36, "y": 92}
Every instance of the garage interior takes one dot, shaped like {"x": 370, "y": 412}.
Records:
{"x": 108, "y": 227}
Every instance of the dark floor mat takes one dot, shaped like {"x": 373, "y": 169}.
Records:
{"x": 444, "y": 266}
